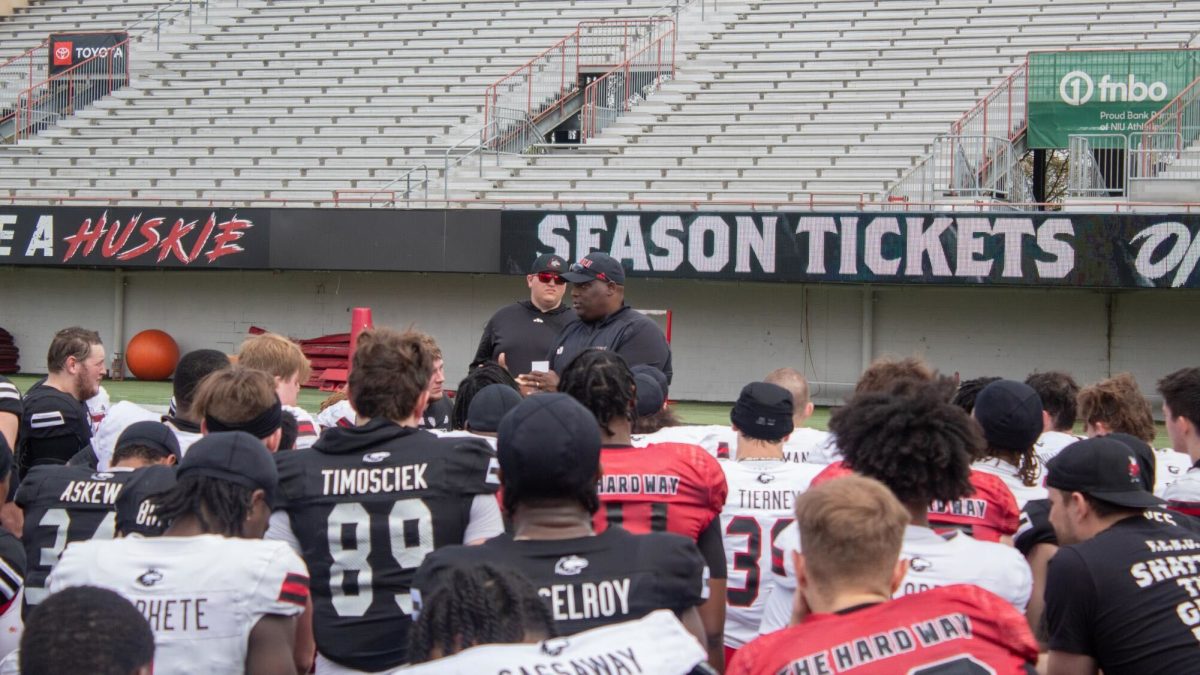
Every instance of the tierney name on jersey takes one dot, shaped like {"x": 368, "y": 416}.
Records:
{"x": 374, "y": 480}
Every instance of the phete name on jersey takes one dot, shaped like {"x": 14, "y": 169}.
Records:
{"x": 91, "y": 492}
{"x": 587, "y": 600}
{"x": 374, "y": 480}
{"x": 766, "y": 500}
{"x": 174, "y": 614}
{"x": 638, "y": 484}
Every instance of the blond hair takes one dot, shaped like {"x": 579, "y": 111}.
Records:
{"x": 851, "y": 529}
{"x": 275, "y": 355}
{"x": 793, "y": 381}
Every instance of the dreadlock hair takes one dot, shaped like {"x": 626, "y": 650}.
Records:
{"x": 968, "y": 391}
{"x": 662, "y": 419}
{"x": 219, "y": 505}
{"x": 480, "y": 376}
{"x": 917, "y": 444}
{"x": 603, "y": 383}
{"x": 476, "y": 605}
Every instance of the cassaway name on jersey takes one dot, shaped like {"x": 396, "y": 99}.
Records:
{"x": 766, "y": 500}
{"x": 639, "y": 484}
{"x": 588, "y": 600}
{"x": 619, "y": 661}
{"x": 91, "y": 492}
{"x": 861, "y": 651}
{"x": 374, "y": 480}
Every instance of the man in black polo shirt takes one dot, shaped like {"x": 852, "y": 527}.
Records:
{"x": 524, "y": 332}
{"x": 605, "y": 322}
{"x": 1123, "y": 592}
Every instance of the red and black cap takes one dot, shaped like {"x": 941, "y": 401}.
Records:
{"x": 548, "y": 262}
{"x": 596, "y": 266}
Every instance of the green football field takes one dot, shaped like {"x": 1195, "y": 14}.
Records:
{"x": 691, "y": 412}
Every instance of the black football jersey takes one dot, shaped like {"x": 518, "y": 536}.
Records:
{"x": 367, "y": 504}
{"x": 64, "y": 504}
{"x": 437, "y": 414}
{"x": 609, "y": 578}
{"x": 12, "y": 569}
{"x": 10, "y": 397}
{"x": 1035, "y": 527}
{"x": 135, "y": 504}
{"x": 54, "y": 426}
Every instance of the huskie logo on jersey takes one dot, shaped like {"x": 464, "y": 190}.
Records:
{"x": 102, "y": 476}
{"x": 376, "y": 457}
{"x": 639, "y": 484}
{"x": 766, "y": 477}
{"x": 538, "y": 320}
{"x": 918, "y": 564}
{"x": 91, "y": 491}
{"x": 555, "y": 646}
{"x": 150, "y": 577}
{"x": 570, "y": 565}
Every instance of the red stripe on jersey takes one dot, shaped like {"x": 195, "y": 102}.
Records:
{"x": 1186, "y": 508}
{"x": 306, "y": 429}
{"x": 294, "y": 589}
{"x": 345, "y": 423}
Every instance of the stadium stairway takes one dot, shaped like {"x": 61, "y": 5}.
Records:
{"x": 824, "y": 101}
{"x": 283, "y": 102}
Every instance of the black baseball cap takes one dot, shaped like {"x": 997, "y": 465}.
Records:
{"x": 548, "y": 445}
{"x": 1102, "y": 468}
{"x": 764, "y": 411}
{"x": 233, "y": 456}
{"x": 1144, "y": 455}
{"x": 490, "y": 405}
{"x": 650, "y": 397}
{"x": 149, "y": 434}
{"x": 596, "y": 266}
{"x": 1010, "y": 413}
{"x": 659, "y": 376}
{"x": 548, "y": 262}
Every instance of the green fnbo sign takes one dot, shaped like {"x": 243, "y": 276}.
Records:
{"x": 1102, "y": 92}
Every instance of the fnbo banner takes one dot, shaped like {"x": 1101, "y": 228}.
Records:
{"x": 1063, "y": 250}
{"x": 1102, "y": 92}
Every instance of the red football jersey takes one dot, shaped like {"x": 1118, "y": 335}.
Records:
{"x": 960, "y": 629}
{"x": 663, "y": 487}
{"x": 988, "y": 514}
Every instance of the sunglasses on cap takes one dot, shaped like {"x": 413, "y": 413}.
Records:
{"x": 580, "y": 269}
{"x": 551, "y": 278}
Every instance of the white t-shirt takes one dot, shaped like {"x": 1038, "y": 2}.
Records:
{"x": 657, "y": 643}
{"x": 761, "y": 503}
{"x": 1050, "y": 443}
{"x": 1008, "y": 473}
{"x": 201, "y": 595}
{"x": 338, "y": 414}
{"x": 933, "y": 561}
{"x": 1169, "y": 467}
{"x": 804, "y": 444}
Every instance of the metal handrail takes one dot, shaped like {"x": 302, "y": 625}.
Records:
{"x": 156, "y": 16}
{"x": 12, "y": 72}
{"x": 616, "y": 83}
{"x": 61, "y": 90}
{"x": 447, "y": 165}
{"x": 408, "y": 184}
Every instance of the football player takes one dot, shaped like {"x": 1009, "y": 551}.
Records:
{"x": 283, "y": 360}
{"x": 55, "y": 423}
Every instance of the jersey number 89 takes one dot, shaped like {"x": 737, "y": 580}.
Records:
{"x": 410, "y": 535}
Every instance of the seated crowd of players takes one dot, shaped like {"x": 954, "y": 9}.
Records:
{"x": 937, "y": 527}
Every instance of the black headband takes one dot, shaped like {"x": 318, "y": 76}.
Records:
{"x": 260, "y": 427}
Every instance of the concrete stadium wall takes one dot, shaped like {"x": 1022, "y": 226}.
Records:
{"x": 725, "y": 333}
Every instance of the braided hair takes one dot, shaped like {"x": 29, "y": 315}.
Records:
{"x": 219, "y": 505}
{"x": 968, "y": 391}
{"x": 603, "y": 383}
{"x": 475, "y": 605}
{"x": 480, "y": 376}
{"x": 917, "y": 444}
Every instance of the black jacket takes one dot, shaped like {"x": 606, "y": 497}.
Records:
{"x": 626, "y": 331}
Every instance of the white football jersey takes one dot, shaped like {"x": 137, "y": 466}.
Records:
{"x": 307, "y": 430}
{"x": 119, "y": 417}
{"x": 338, "y": 414}
{"x": 804, "y": 445}
{"x": 1169, "y": 466}
{"x": 1008, "y": 473}
{"x": 761, "y": 503}
{"x": 656, "y": 643}
{"x": 201, "y": 595}
{"x": 933, "y": 561}
{"x": 98, "y": 406}
{"x": 1050, "y": 443}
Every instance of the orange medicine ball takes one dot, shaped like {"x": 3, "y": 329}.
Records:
{"x": 152, "y": 355}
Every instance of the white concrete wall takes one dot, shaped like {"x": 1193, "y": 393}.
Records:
{"x": 725, "y": 333}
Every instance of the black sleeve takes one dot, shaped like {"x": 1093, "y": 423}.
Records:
{"x": 471, "y": 466}
{"x": 52, "y": 431}
{"x": 681, "y": 581}
{"x": 1035, "y": 527}
{"x": 712, "y": 547}
{"x": 10, "y": 397}
{"x": 486, "y": 344}
{"x": 1070, "y": 604}
{"x": 644, "y": 343}
{"x": 12, "y": 567}
{"x": 85, "y": 457}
